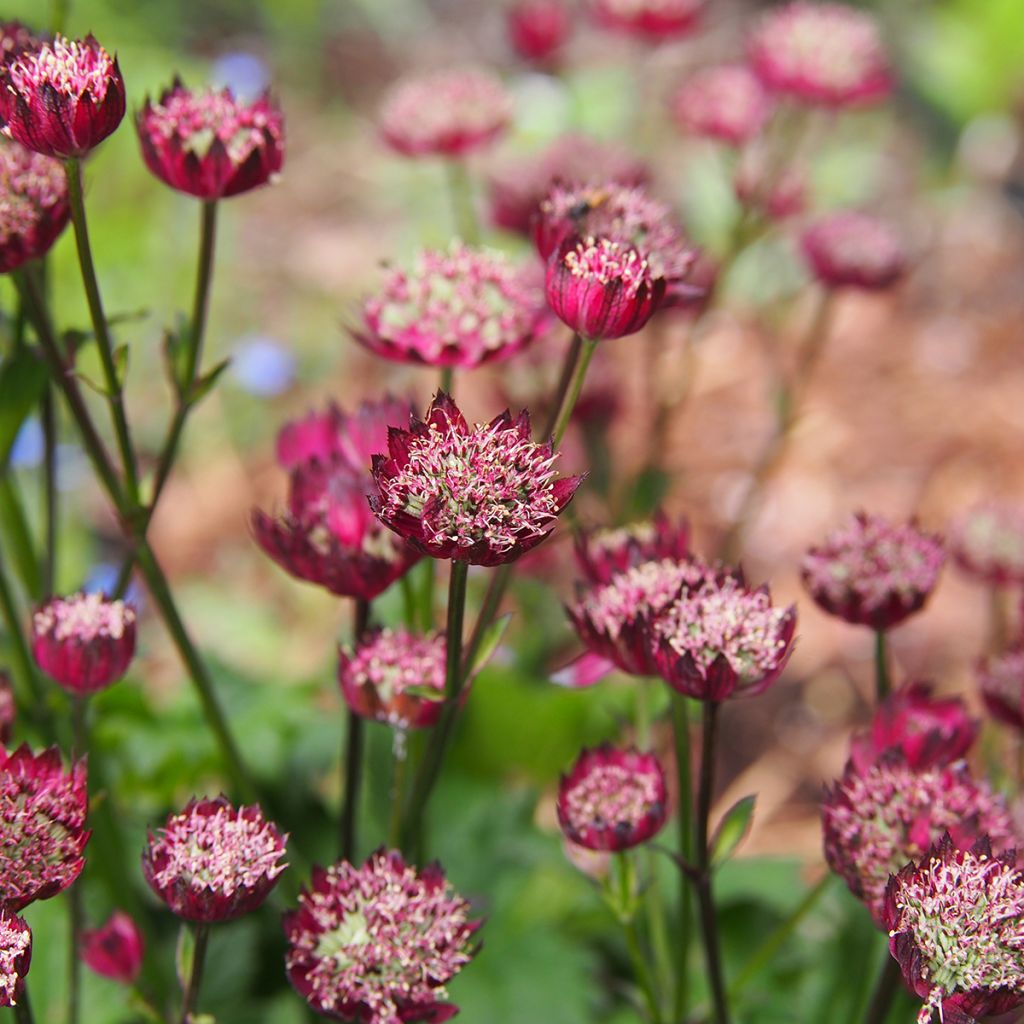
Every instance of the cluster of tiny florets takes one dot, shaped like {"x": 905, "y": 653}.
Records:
{"x": 609, "y": 794}
{"x": 30, "y": 186}
{"x": 71, "y": 67}
{"x": 605, "y": 262}
{"x": 726, "y": 103}
{"x": 15, "y": 954}
{"x": 988, "y": 542}
{"x": 1002, "y": 686}
{"x": 854, "y": 249}
{"x": 84, "y": 618}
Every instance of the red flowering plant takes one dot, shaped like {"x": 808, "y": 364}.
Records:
{"x": 115, "y": 949}
{"x": 854, "y": 250}
{"x": 1001, "y": 681}
{"x": 34, "y": 206}
{"x": 652, "y": 20}
{"x": 727, "y": 103}
{"x": 602, "y": 554}
{"x": 15, "y": 957}
{"x": 538, "y": 29}
{"x": 987, "y": 542}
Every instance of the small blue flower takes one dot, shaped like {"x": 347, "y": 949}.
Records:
{"x": 262, "y": 366}
{"x": 29, "y": 446}
{"x": 245, "y": 74}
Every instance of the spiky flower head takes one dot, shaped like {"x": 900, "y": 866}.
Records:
{"x": 612, "y": 799}
{"x": 1001, "y": 679}
{"x": 34, "y": 207}
{"x": 956, "y": 928}
{"x": 604, "y": 553}
{"x": 538, "y": 29}
{"x": 84, "y": 641}
{"x": 652, "y": 20}
{"x": 823, "y": 54}
{"x": 876, "y": 818}
{"x": 726, "y": 102}
{"x": 483, "y": 494}
{"x": 445, "y": 113}
{"x": 61, "y": 98}
{"x": 15, "y": 957}
{"x": 988, "y": 542}
{"x": 395, "y": 677}
{"x": 114, "y": 950}
{"x": 378, "y": 943}
{"x": 871, "y": 572}
{"x": 850, "y": 249}
{"x": 42, "y": 827}
{"x": 210, "y": 144}
{"x": 460, "y": 307}
{"x": 214, "y": 862}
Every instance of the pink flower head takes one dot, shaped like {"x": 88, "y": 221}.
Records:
{"x": 612, "y": 799}
{"x": 956, "y": 927}
{"x": 603, "y": 554}
{"x": 395, "y": 677}
{"x": 114, "y": 950}
{"x": 15, "y": 957}
{"x": 871, "y": 572}
{"x": 1002, "y": 687}
{"x": 823, "y": 54}
{"x": 8, "y": 708}
{"x": 876, "y": 818}
{"x": 34, "y": 207}
{"x": 42, "y": 827}
{"x": 538, "y": 29}
{"x": 854, "y": 250}
{"x": 209, "y": 144}
{"x": 457, "y": 308}
{"x": 213, "y": 862}
{"x": 484, "y": 494}
{"x": 727, "y": 103}
{"x": 15, "y": 38}
{"x": 446, "y": 113}
{"x": 602, "y": 289}
{"x": 84, "y": 641}
{"x": 62, "y": 98}
{"x": 377, "y": 944}
{"x": 927, "y": 731}
{"x": 652, "y": 20}
{"x": 988, "y": 543}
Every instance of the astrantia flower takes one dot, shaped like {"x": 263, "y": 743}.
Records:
{"x": 447, "y": 113}
{"x": 873, "y": 573}
{"x": 210, "y": 144}
{"x": 114, "y": 950}
{"x": 650, "y": 19}
{"x": 602, "y": 289}
{"x": 84, "y": 641}
{"x": 378, "y": 943}
{"x": 42, "y": 827}
{"x": 395, "y": 677}
{"x": 34, "y": 206}
{"x": 1002, "y": 687}
{"x": 612, "y": 799}
{"x": 62, "y": 98}
{"x": 988, "y": 543}
{"x": 457, "y": 308}
{"x": 824, "y": 54}
{"x": 603, "y": 554}
{"x": 854, "y": 250}
{"x": 538, "y": 29}
{"x": 484, "y": 494}
{"x": 15, "y": 957}
{"x": 213, "y": 862}
{"x": 15, "y": 38}
{"x": 956, "y": 928}
{"x": 877, "y": 818}
{"x": 727, "y": 103}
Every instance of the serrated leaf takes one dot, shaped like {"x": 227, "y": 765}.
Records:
{"x": 204, "y": 385}
{"x": 22, "y": 384}
{"x": 489, "y": 643}
{"x": 731, "y": 830}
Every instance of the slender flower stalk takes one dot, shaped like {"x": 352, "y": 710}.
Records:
{"x": 883, "y": 684}
{"x": 684, "y": 812}
{"x": 352, "y": 763}
{"x": 51, "y": 500}
{"x": 23, "y": 1010}
{"x": 623, "y": 899}
{"x": 23, "y": 666}
{"x": 887, "y": 984}
{"x": 460, "y": 189}
{"x": 575, "y": 386}
{"x": 195, "y": 978}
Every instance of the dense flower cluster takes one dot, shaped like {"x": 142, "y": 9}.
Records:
{"x": 854, "y": 250}
{"x": 1002, "y": 687}
{"x": 988, "y": 543}
{"x": 649, "y": 19}
{"x": 15, "y": 957}
{"x": 34, "y": 207}
{"x": 603, "y": 554}
{"x": 727, "y": 103}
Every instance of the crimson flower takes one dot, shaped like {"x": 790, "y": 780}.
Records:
{"x": 15, "y": 38}
{"x": 34, "y": 207}
{"x": 15, "y": 957}
{"x": 854, "y": 250}
{"x": 652, "y": 20}
{"x": 210, "y": 144}
{"x": 114, "y": 950}
{"x": 603, "y": 554}
{"x": 1002, "y": 687}
{"x": 538, "y": 29}
{"x": 727, "y": 103}
{"x": 988, "y": 543}
{"x": 61, "y": 98}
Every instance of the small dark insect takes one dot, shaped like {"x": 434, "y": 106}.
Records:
{"x": 590, "y": 202}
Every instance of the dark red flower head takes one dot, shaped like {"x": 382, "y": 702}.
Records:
{"x": 612, "y": 799}
{"x": 84, "y": 641}
{"x": 34, "y": 207}
{"x": 15, "y": 38}
{"x": 484, "y": 494}
{"x": 209, "y": 144}
{"x": 62, "y": 98}
{"x": 988, "y": 543}
{"x": 15, "y": 957}
{"x": 538, "y": 29}
{"x": 854, "y": 250}
{"x": 727, "y": 103}
{"x": 42, "y": 828}
{"x": 377, "y": 944}
{"x": 213, "y": 862}
{"x": 603, "y": 554}
{"x": 1002, "y": 687}
{"x": 652, "y": 20}
{"x": 114, "y": 950}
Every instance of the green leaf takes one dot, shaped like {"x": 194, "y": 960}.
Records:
{"x": 489, "y": 643}
{"x": 93, "y": 385}
{"x": 731, "y": 830}
{"x": 22, "y": 383}
{"x": 184, "y": 955}
{"x": 204, "y": 385}
{"x": 425, "y": 692}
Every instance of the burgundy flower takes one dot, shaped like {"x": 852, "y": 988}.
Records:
{"x": 447, "y": 113}
{"x": 1002, "y": 687}
{"x": 84, "y": 641}
{"x": 395, "y": 677}
{"x": 15, "y": 957}
{"x": 824, "y": 54}
{"x": 213, "y": 862}
{"x": 927, "y": 731}
{"x": 15, "y": 38}
{"x": 457, "y": 308}
{"x": 873, "y": 573}
{"x": 988, "y": 543}
{"x": 62, "y": 98}
{"x": 603, "y": 554}
{"x": 483, "y": 494}
{"x": 854, "y": 250}
{"x": 652, "y": 20}
{"x": 612, "y": 799}
{"x": 34, "y": 206}
{"x": 538, "y": 29}
{"x": 114, "y": 950}
{"x": 956, "y": 927}
{"x": 727, "y": 103}
{"x": 877, "y": 818}
{"x": 209, "y": 144}
{"x": 8, "y": 708}
{"x": 42, "y": 827}
{"x": 377, "y": 944}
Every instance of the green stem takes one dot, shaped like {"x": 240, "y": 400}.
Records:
{"x": 400, "y": 764}
{"x": 352, "y": 762}
{"x": 572, "y": 357}
{"x": 500, "y": 579}
{"x": 196, "y": 976}
{"x": 657, "y": 927}
{"x": 114, "y": 385}
{"x": 887, "y": 984}
{"x": 48, "y": 565}
{"x": 641, "y": 970}
{"x": 79, "y": 749}
{"x": 684, "y": 785}
{"x": 23, "y": 664}
{"x": 408, "y": 601}
{"x": 447, "y": 383}
{"x": 23, "y": 1010}
{"x": 18, "y": 539}
{"x": 573, "y": 392}
{"x": 883, "y": 684}
{"x": 622, "y": 897}
{"x": 460, "y": 189}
